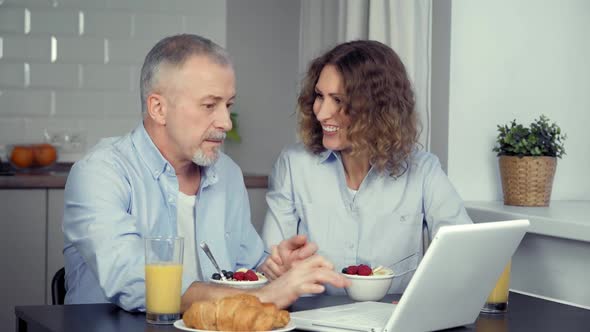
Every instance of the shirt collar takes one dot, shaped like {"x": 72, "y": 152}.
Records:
{"x": 148, "y": 151}
{"x": 157, "y": 164}
{"x": 327, "y": 155}
{"x": 209, "y": 174}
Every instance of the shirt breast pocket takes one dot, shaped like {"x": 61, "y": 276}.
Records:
{"x": 395, "y": 236}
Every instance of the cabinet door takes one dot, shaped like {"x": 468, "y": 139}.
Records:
{"x": 23, "y": 221}
{"x": 55, "y": 235}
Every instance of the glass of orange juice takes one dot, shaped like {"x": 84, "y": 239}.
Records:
{"x": 163, "y": 279}
{"x": 497, "y": 301}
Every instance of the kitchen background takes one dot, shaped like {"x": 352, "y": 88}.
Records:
{"x": 72, "y": 67}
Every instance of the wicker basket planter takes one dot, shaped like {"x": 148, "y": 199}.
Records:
{"x": 527, "y": 181}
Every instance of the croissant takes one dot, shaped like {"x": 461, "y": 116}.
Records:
{"x": 240, "y": 312}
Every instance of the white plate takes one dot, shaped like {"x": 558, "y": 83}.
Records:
{"x": 179, "y": 324}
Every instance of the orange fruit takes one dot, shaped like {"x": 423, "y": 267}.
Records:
{"x": 22, "y": 156}
{"x": 44, "y": 154}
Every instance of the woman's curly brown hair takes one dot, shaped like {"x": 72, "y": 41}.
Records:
{"x": 378, "y": 99}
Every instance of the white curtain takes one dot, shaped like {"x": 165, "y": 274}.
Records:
{"x": 404, "y": 25}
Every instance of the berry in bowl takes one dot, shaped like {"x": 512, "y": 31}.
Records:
{"x": 367, "y": 284}
{"x": 241, "y": 278}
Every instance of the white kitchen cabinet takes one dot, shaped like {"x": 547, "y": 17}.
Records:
{"x": 23, "y": 222}
{"x": 55, "y": 236}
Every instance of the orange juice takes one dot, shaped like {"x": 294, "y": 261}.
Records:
{"x": 163, "y": 284}
{"x": 500, "y": 293}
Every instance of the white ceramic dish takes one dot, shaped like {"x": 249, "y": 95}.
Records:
{"x": 368, "y": 288}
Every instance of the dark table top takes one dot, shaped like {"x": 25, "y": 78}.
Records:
{"x": 525, "y": 313}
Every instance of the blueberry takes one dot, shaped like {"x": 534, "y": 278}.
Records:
{"x": 224, "y": 272}
{"x": 229, "y": 275}
{"x": 343, "y": 270}
{"x": 216, "y": 276}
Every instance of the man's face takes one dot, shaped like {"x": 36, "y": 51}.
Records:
{"x": 199, "y": 96}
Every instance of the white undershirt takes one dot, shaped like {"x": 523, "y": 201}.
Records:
{"x": 186, "y": 228}
{"x": 352, "y": 192}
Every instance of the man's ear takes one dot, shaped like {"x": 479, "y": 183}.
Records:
{"x": 157, "y": 108}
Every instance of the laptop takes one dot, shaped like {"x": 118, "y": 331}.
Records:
{"x": 448, "y": 289}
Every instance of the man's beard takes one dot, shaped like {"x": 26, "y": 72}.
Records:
{"x": 202, "y": 159}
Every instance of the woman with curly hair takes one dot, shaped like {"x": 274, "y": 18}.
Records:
{"x": 358, "y": 185}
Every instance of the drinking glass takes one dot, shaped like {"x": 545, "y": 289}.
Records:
{"x": 497, "y": 301}
{"x": 163, "y": 279}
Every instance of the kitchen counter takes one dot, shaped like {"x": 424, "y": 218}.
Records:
{"x": 55, "y": 178}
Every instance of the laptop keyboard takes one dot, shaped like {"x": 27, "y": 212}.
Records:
{"x": 373, "y": 318}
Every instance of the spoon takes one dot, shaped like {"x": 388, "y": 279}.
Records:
{"x": 205, "y": 248}
{"x": 381, "y": 267}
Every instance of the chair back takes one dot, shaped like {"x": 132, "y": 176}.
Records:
{"x": 58, "y": 287}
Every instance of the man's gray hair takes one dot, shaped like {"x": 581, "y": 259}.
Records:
{"x": 175, "y": 51}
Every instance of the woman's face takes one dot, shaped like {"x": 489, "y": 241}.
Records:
{"x": 328, "y": 108}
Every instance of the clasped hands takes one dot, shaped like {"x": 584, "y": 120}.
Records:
{"x": 295, "y": 269}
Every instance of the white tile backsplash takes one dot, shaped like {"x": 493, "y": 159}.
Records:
{"x": 91, "y": 84}
{"x": 12, "y": 20}
{"x": 106, "y": 23}
{"x": 16, "y": 47}
{"x": 12, "y": 75}
{"x": 25, "y": 102}
{"x": 157, "y": 25}
{"x": 125, "y": 51}
{"x": 122, "y": 104}
{"x": 80, "y": 50}
{"x": 79, "y": 103}
{"x": 77, "y": 4}
{"x": 107, "y": 77}
{"x": 29, "y": 3}
{"x": 53, "y": 75}
{"x": 55, "y": 22}
{"x": 12, "y": 130}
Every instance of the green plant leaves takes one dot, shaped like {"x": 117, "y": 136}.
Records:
{"x": 541, "y": 138}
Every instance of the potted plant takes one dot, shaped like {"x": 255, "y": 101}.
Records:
{"x": 527, "y": 159}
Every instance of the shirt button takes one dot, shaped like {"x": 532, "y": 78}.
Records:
{"x": 170, "y": 199}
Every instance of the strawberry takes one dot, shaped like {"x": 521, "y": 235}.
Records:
{"x": 240, "y": 276}
{"x": 364, "y": 270}
{"x": 353, "y": 269}
{"x": 250, "y": 275}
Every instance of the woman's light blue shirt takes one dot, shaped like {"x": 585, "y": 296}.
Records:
{"x": 124, "y": 190}
{"x": 379, "y": 225}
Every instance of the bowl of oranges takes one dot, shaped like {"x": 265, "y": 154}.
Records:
{"x": 25, "y": 157}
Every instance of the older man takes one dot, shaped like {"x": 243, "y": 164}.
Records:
{"x": 167, "y": 177}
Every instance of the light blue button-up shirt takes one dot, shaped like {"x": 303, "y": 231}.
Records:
{"x": 378, "y": 225}
{"x": 124, "y": 190}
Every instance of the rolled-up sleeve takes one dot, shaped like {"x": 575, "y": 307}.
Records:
{"x": 97, "y": 223}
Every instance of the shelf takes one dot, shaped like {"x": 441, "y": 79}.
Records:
{"x": 564, "y": 219}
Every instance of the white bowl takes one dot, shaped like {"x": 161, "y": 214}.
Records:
{"x": 368, "y": 288}
{"x": 241, "y": 284}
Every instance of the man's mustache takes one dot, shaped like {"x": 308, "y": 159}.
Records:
{"x": 216, "y": 136}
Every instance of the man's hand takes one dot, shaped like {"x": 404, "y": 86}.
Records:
{"x": 283, "y": 256}
{"x": 305, "y": 277}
